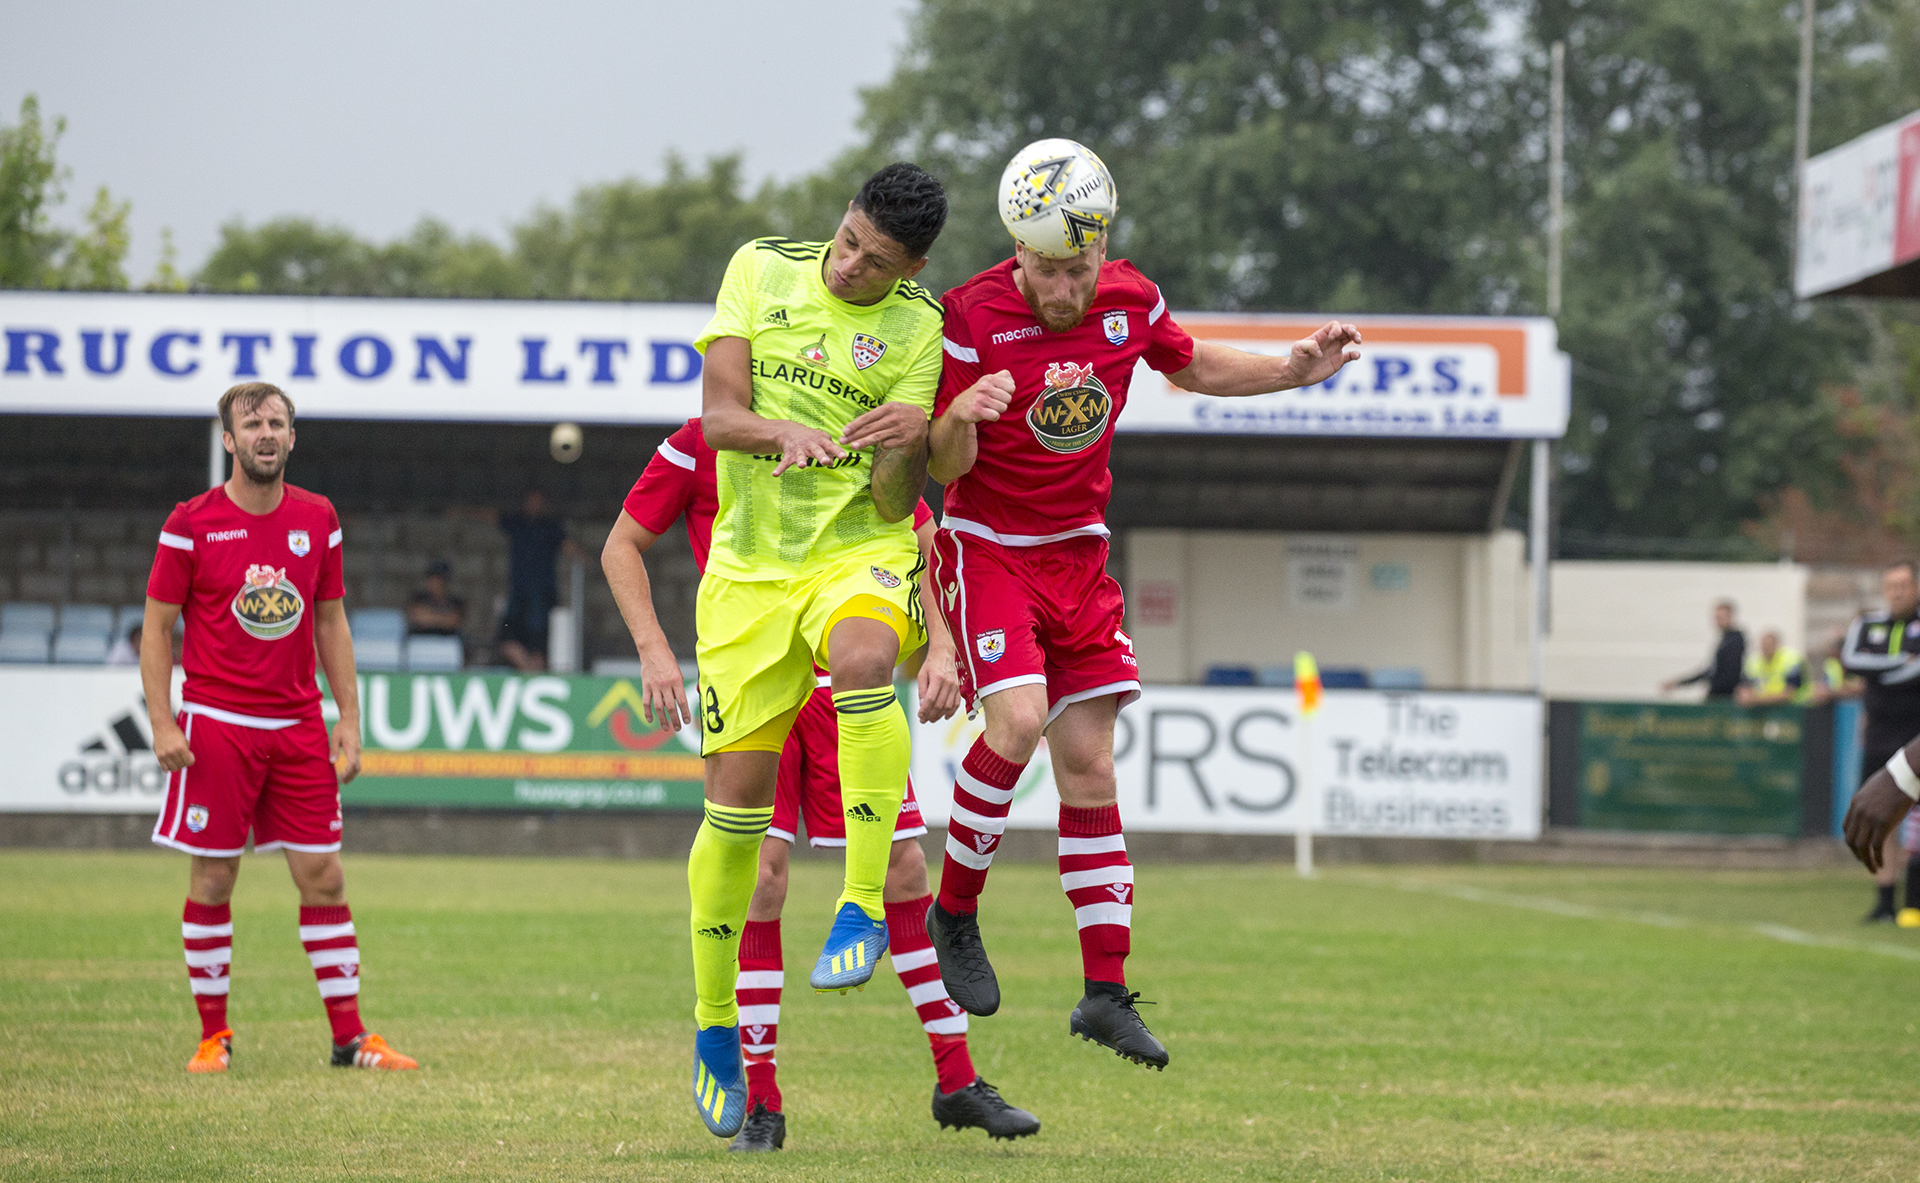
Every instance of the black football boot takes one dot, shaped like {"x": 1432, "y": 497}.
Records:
{"x": 763, "y": 1130}
{"x": 964, "y": 967}
{"x": 1107, "y": 1017}
{"x": 979, "y": 1105}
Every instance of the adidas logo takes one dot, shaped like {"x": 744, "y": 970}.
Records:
{"x": 777, "y": 317}
{"x": 719, "y": 932}
{"x": 863, "y": 813}
{"x": 117, "y": 759}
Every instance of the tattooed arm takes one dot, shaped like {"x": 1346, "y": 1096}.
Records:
{"x": 897, "y": 433}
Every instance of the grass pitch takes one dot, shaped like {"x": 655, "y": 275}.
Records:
{"x": 1378, "y": 1024}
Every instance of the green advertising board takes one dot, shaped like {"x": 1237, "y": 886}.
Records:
{"x": 502, "y": 741}
{"x": 1707, "y": 769}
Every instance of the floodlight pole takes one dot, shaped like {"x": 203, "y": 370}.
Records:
{"x": 1540, "y": 503}
{"x": 1802, "y": 126}
{"x": 216, "y": 458}
{"x": 1556, "y": 170}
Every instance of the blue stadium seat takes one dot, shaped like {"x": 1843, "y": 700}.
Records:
{"x": 1228, "y": 675}
{"x": 376, "y": 653}
{"x": 433, "y": 653}
{"x": 26, "y": 618}
{"x": 86, "y": 618}
{"x": 80, "y": 648}
{"x": 1276, "y": 675}
{"x": 1399, "y": 679}
{"x": 1339, "y": 677}
{"x": 378, "y": 624}
{"x": 23, "y": 648}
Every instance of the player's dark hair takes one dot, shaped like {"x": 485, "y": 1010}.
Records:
{"x": 907, "y": 204}
{"x": 246, "y": 398}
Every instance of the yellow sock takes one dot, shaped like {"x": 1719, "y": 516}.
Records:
{"x": 875, "y": 748}
{"x": 721, "y": 871}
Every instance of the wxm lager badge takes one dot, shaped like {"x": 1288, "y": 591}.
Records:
{"x": 867, "y": 350}
{"x": 1072, "y": 411}
{"x": 267, "y": 605}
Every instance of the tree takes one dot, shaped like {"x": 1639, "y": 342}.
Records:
{"x": 33, "y": 252}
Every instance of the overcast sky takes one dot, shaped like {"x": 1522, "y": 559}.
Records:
{"x": 371, "y": 115}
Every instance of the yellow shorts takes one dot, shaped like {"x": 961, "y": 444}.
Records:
{"x": 759, "y": 641}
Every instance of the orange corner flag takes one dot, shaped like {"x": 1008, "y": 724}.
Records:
{"x": 1306, "y": 682}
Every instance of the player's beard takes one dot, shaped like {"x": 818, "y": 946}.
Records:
{"x": 1057, "y": 317}
{"x": 259, "y": 470}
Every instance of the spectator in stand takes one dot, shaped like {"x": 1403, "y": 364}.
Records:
{"x": 1832, "y": 681}
{"x": 434, "y": 610}
{"x": 1883, "y": 649}
{"x": 1725, "y": 672}
{"x": 1776, "y": 673}
{"x": 535, "y": 539}
{"x": 126, "y": 650}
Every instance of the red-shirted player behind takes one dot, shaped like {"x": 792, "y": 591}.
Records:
{"x": 679, "y": 481}
{"x": 1040, "y": 351}
{"x": 255, "y": 564}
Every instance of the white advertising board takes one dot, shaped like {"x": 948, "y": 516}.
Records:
{"x": 113, "y": 353}
{"x": 1228, "y": 761}
{"x": 77, "y": 741}
{"x": 1859, "y": 209}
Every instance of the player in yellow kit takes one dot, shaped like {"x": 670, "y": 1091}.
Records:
{"x": 822, "y": 361}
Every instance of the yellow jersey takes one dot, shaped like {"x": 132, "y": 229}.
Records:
{"x": 820, "y": 361}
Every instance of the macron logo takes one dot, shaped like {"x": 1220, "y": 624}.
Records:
{"x": 1120, "y": 891}
{"x": 226, "y": 535}
{"x": 1016, "y": 334}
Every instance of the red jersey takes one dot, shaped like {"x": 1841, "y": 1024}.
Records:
{"x": 1042, "y": 470}
{"x": 681, "y": 479}
{"x": 248, "y": 584}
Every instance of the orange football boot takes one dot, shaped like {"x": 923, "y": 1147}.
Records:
{"x": 368, "y": 1050}
{"x": 214, "y": 1054}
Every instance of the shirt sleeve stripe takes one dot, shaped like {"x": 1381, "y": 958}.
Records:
{"x": 675, "y": 456}
{"x": 177, "y": 541}
{"x": 960, "y": 352}
{"x": 1159, "y": 310}
{"x": 333, "y": 540}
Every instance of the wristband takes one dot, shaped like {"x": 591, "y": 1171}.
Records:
{"x": 1902, "y": 773}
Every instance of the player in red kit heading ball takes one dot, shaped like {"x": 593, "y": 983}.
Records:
{"x": 255, "y": 565}
{"x": 1039, "y": 354}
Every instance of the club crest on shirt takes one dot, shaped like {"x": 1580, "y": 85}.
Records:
{"x": 299, "y": 543}
{"x": 816, "y": 353}
{"x": 1072, "y": 411}
{"x": 867, "y": 350}
{"x": 884, "y": 577}
{"x": 1115, "y": 323}
{"x": 991, "y": 645}
{"x": 196, "y": 818}
{"x": 267, "y": 605}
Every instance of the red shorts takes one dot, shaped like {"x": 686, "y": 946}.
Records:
{"x": 1035, "y": 615}
{"x": 278, "y": 783}
{"x": 809, "y": 784}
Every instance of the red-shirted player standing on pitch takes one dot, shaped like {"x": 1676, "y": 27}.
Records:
{"x": 255, "y": 563}
{"x": 679, "y": 481}
{"x": 1040, "y": 352}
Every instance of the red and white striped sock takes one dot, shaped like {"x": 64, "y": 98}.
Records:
{"x": 334, "y": 951}
{"x": 1098, "y": 879}
{"x": 982, "y": 794}
{"x": 757, "y": 991}
{"x": 207, "y": 932}
{"x": 940, "y": 1017}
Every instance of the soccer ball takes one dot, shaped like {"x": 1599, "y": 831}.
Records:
{"x": 1056, "y": 197}
{"x": 565, "y": 442}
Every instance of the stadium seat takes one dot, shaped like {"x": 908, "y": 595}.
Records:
{"x": 23, "y": 648}
{"x": 126, "y": 616}
{"x": 378, "y": 624}
{"x": 86, "y": 618}
{"x": 439, "y": 654}
{"x": 1338, "y": 677}
{"x": 1228, "y": 675}
{"x": 1399, "y": 679}
{"x": 80, "y": 648}
{"x": 376, "y": 653}
{"x": 1280, "y": 676}
{"x": 29, "y": 618}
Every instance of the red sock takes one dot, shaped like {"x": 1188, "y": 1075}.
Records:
{"x": 982, "y": 794}
{"x": 207, "y": 932}
{"x": 942, "y": 1019}
{"x": 758, "y": 993}
{"x": 1098, "y": 879}
{"x": 334, "y": 951}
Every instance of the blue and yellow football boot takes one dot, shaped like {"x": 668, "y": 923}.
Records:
{"x": 854, "y": 946}
{"x": 719, "y": 1080}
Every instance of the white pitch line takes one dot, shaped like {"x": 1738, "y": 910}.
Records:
{"x": 1542, "y": 903}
